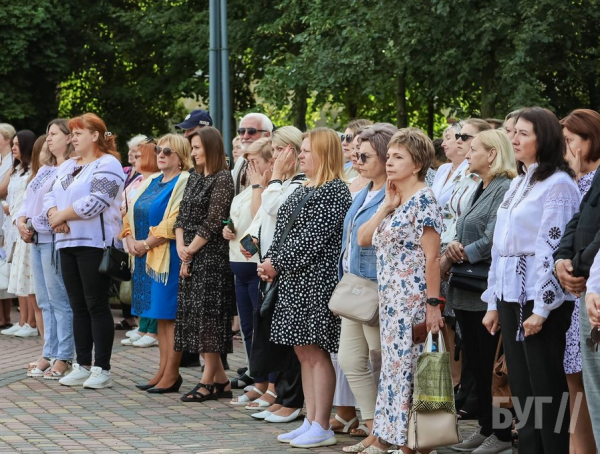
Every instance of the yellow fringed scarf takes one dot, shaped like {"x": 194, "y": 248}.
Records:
{"x": 158, "y": 259}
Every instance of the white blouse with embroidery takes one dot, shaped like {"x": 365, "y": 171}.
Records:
{"x": 531, "y": 221}
{"x": 92, "y": 189}
{"x": 33, "y": 203}
{"x": 465, "y": 186}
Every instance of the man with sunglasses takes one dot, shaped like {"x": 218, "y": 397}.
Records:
{"x": 253, "y": 126}
{"x": 195, "y": 120}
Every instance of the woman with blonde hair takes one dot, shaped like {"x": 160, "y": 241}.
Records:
{"x": 491, "y": 157}
{"x": 7, "y": 132}
{"x": 148, "y": 231}
{"x": 306, "y": 265}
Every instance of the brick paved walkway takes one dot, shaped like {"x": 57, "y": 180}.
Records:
{"x": 42, "y": 416}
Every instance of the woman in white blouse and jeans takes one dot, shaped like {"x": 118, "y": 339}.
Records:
{"x": 523, "y": 296}
{"x": 86, "y": 194}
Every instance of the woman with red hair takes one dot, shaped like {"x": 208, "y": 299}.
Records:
{"x": 83, "y": 208}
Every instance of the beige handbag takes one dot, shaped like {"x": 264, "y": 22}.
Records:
{"x": 431, "y": 429}
{"x": 356, "y": 299}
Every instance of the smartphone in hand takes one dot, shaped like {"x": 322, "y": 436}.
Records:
{"x": 248, "y": 243}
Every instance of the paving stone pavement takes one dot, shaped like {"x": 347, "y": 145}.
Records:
{"x": 42, "y": 416}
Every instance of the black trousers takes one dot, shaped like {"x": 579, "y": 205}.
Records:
{"x": 88, "y": 291}
{"x": 535, "y": 369}
{"x": 479, "y": 350}
{"x": 289, "y": 384}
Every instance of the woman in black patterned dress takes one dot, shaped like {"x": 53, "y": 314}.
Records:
{"x": 206, "y": 288}
{"x": 307, "y": 266}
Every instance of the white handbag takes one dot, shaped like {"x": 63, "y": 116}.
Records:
{"x": 356, "y": 298}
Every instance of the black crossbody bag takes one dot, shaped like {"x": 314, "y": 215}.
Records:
{"x": 115, "y": 262}
{"x": 270, "y": 290}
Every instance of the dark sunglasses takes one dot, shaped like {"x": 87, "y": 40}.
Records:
{"x": 150, "y": 139}
{"x": 166, "y": 151}
{"x": 594, "y": 339}
{"x": 348, "y": 138}
{"x": 362, "y": 157}
{"x": 463, "y": 137}
{"x": 250, "y": 131}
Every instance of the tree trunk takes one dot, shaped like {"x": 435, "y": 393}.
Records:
{"x": 401, "y": 110}
{"x": 593, "y": 92}
{"x": 430, "y": 116}
{"x": 299, "y": 108}
{"x": 488, "y": 87}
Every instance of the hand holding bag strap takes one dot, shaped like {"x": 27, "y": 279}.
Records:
{"x": 102, "y": 225}
{"x": 498, "y": 349}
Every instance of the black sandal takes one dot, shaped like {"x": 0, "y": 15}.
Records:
{"x": 124, "y": 325}
{"x": 221, "y": 393}
{"x": 195, "y": 396}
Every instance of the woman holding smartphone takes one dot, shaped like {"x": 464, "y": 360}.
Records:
{"x": 243, "y": 208}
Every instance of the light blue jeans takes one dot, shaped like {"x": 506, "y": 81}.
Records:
{"x": 52, "y": 299}
{"x": 590, "y": 362}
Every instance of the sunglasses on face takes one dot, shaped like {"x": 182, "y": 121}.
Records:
{"x": 250, "y": 131}
{"x": 362, "y": 157}
{"x": 594, "y": 339}
{"x": 166, "y": 151}
{"x": 348, "y": 138}
{"x": 463, "y": 137}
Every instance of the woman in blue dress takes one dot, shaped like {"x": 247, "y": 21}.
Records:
{"x": 148, "y": 231}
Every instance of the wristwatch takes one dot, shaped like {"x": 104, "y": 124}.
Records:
{"x": 433, "y": 301}
{"x": 258, "y": 186}
{"x": 146, "y": 245}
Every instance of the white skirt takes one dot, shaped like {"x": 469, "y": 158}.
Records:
{"x": 21, "y": 281}
{"x": 343, "y": 396}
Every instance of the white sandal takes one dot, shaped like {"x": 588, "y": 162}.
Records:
{"x": 347, "y": 424}
{"x": 36, "y": 372}
{"x": 261, "y": 403}
{"x": 245, "y": 400}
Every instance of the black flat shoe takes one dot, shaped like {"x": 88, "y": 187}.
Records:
{"x": 145, "y": 387}
{"x": 220, "y": 390}
{"x": 170, "y": 389}
{"x": 124, "y": 325}
{"x": 241, "y": 382}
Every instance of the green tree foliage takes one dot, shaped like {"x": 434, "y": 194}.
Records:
{"x": 301, "y": 62}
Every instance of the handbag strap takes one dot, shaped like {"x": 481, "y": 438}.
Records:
{"x": 498, "y": 349}
{"x": 294, "y": 215}
{"x": 102, "y": 225}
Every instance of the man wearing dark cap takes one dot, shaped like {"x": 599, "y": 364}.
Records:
{"x": 195, "y": 120}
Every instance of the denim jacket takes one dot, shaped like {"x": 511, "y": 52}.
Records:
{"x": 362, "y": 260}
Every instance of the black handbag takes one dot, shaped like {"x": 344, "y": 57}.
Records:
{"x": 270, "y": 290}
{"x": 115, "y": 262}
{"x": 472, "y": 277}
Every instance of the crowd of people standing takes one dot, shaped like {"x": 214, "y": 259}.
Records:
{"x": 269, "y": 236}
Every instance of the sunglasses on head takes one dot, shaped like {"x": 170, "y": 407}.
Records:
{"x": 348, "y": 138}
{"x": 362, "y": 157}
{"x": 250, "y": 131}
{"x": 594, "y": 339}
{"x": 150, "y": 139}
{"x": 463, "y": 137}
{"x": 166, "y": 151}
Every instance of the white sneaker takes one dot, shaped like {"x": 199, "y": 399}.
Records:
{"x": 132, "y": 332}
{"x": 99, "y": 379}
{"x": 131, "y": 339}
{"x": 315, "y": 437}
{"x": 27, "y": 331}
{"x": 146, "y": 341}
{"x": 12, "y": 330}
{"x": 77, "y": 377}
{"x": 289, "y": 436}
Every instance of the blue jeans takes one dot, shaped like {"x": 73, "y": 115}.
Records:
{"x": 52, "y": 299}
{"x": 590, "y": 361}
{"x": 246, "y": 294}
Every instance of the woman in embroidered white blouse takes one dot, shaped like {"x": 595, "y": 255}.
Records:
{"x": 83, "y": 208}
{"x": 523, "y": 295}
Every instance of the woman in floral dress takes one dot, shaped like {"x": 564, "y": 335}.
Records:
{"x": 406, "y": 233}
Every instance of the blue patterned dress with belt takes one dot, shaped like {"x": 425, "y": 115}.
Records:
{"x": 153, "y": 299}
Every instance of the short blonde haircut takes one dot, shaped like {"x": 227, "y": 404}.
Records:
{"x": 7, "y": 131}
{"x": 419, "y": 146}
{"x": 181, "y": 146}
{"x": 504, "y": 164}
{"x": 326, "y": 146}
{"x": 261, "y": 147}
